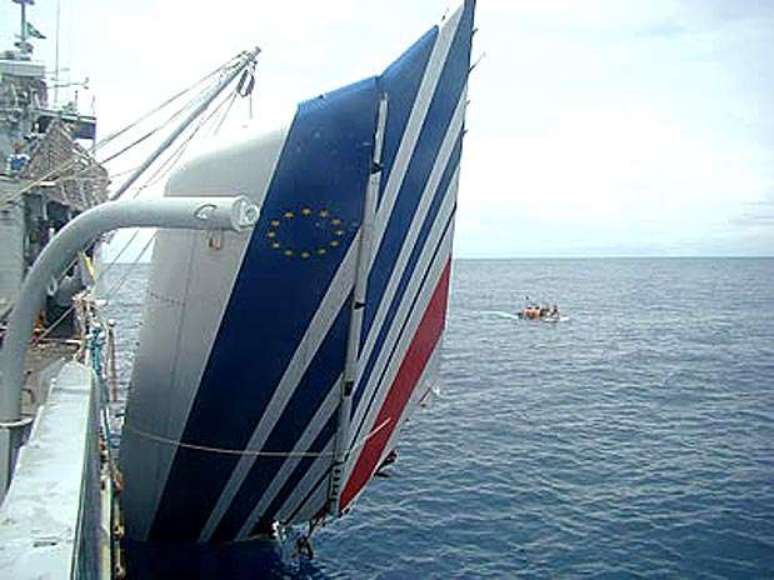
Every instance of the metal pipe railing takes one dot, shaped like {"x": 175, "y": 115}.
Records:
{"x": 197, "y": 213}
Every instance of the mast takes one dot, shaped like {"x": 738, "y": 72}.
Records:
{"x": 25, "y": 48}
{"x": 56, "y": 57}
{"x": 23, "y": 31}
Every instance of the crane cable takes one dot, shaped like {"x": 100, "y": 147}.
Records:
{"x": 70, "y": 162}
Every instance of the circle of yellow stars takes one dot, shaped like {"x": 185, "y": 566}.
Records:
{"x": 337, "y": 231}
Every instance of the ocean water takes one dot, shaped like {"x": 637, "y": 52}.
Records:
{"x": 634, "y": 438}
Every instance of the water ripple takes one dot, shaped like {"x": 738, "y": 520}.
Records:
{"x": 634, "y": 439}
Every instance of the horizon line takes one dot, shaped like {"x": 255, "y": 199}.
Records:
{"x": 505, "y": 258}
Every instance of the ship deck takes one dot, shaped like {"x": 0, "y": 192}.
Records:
{"x": 43, "y": 362}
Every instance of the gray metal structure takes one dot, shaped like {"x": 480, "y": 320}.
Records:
{"x": 202, "y": 213}
{"x": 52, "y": 525}
{"x": 58, "y": 518}
{"x": 245, "y": 59}
{"x": 46, "y": 176}
{"x": 60, "y": 463}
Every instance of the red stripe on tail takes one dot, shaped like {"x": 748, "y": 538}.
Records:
{"x": 422, "y": 346}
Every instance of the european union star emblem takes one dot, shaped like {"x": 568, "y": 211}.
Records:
{"x": 306, "y": 232}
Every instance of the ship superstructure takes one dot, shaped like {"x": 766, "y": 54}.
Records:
{"x": 47, "y": 174}
{"x": 59, "y": 517}
{"x": 48, "y": 177}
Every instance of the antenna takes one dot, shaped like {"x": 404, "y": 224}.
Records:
{"x": 23, "y": 31}
{"x": 56, "y": 58}
{"x": 24, "y": 46}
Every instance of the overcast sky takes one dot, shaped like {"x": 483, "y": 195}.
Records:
{"x": 595, "y": 127}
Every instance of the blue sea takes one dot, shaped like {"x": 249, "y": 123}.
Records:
{"x": 633, "y": 438}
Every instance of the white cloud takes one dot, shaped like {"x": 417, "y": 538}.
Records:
{"x": 600, "y": 126}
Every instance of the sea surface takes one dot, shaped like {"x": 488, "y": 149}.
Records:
{"x": 633, "y": 438}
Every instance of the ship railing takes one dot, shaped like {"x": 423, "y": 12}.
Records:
{"x": 53, "y": 519}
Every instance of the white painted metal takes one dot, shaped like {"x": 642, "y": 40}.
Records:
{"x": 347, "y": 384}
{"x": 188, "y": 291}
{"x": 43, "y": 511}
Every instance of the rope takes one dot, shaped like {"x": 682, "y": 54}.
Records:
{"x": 153, "y": 131}
{"x": 248, "y": 452}
{"x": 158, "y": 174}
{"x": 123, "y": 279}
{"x": 244, "y": 88}
{"x": 169, "y": 101}
{"x": 110, "y": 292}
{"x": 67, "y": 164}
{"x": 117, "y": 286}
{"x": 120, "y": 252}
{"x": 163, "y": 169}
{"x": 226, "y": 111}
{"x": 15, "y": 195}
{"x": 124, "y": 172}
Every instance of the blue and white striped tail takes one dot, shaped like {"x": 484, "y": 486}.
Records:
{"x": 235, "y": 416}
